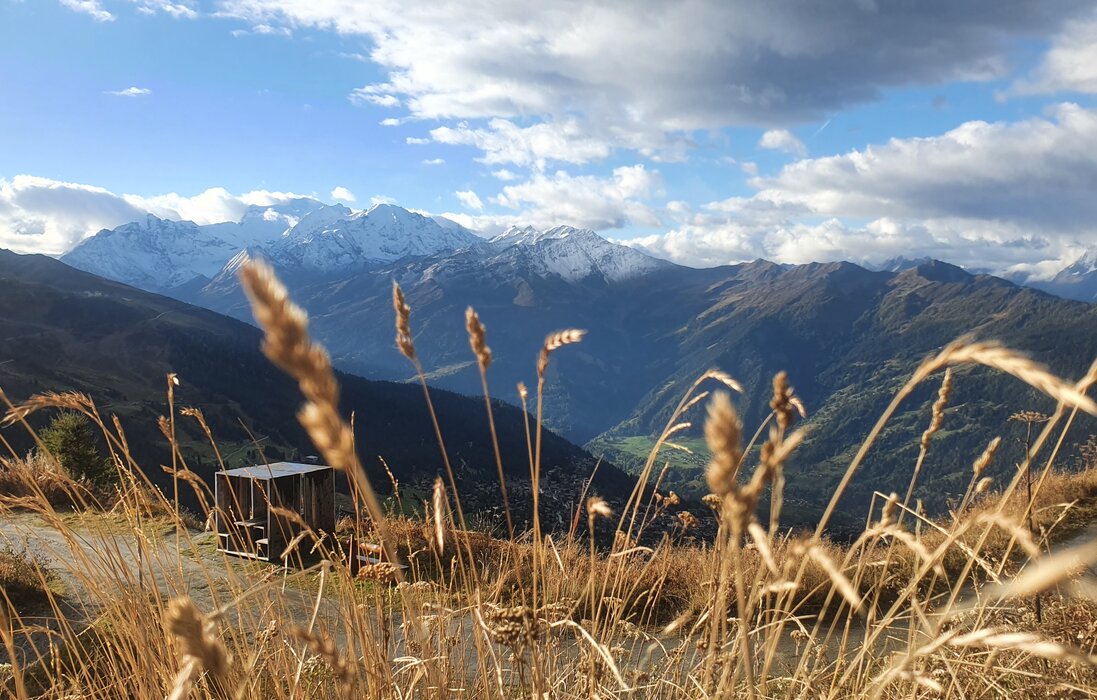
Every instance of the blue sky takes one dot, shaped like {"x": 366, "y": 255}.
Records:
{"x": 710, "y": 132}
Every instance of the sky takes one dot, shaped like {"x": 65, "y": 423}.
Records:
{"x": 704, "y": 131}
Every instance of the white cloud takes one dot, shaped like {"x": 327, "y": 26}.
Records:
{"x": 749, "y": 167}
{"x": 642, "y": 75}
{"x": 263, "y": 30}
{"x": 92, "y": 8}
{"x": 505, "y": 142}
{"x": 178, "y": 10}
{"x": 434, "y": 161}
{"x": 381, "y": 199}
{"x": 1004, "y": 196}
{"x": 1070, "y": 65}
{"x": 390, "y": 121}
{"x": 129, "y": 92}
{"x": 586, "y": 201}
{"x": 416, "y": 141}
{"x": 782, "y": 140}
{"x": 50, "y": 216}
{"x": 470, "y": 199}
{"x": 368, "y": 95}
{"x": 342, "y": 194}
{"x": 504, "y": 175}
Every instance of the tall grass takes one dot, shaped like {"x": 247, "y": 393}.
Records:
{"x": 913, "y": 607}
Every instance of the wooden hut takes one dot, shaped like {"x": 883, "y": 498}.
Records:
{"x": 246, "y": 525}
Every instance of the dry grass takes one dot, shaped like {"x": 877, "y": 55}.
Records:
{"x": 974, "y": 604}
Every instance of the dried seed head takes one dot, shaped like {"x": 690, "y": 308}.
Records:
{"x": 598, "y": 508}
{"x": 523, "y": 392}
{"x": 887, "y": 513}
{"x": 438, "y": 505}
{"x": 287, "y": 343}
{"x": 515, "y": 626}
{"x": 723, "y": 433}
{"x": 195, "y": 635}
{"x": 555, "y": 341}
{"x": 478, "y": 338}
{"x": 403, "y": 322}
{"x": 785, "y": 404}
{"x": 938, "y": 409}
{"x": 382, "y": 572}
{"x": 987, "y": 457}
{"x": 322, "y": 646}
{"x": 687, "y": 519}
{"x": 1029, "y": 417}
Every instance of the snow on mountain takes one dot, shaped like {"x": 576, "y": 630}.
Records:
{"x": 333, "y": 238}
{"x": 574, "y": 254}
{"x": 155, "y": 253}
{"x": 161, "y": 254}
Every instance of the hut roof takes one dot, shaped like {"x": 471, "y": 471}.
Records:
{"x": 275, "y": 470}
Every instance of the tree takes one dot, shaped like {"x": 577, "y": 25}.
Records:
{"x": 71, "y": 440}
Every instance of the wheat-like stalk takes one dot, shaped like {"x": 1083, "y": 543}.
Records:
{"x": 438, "y": 507}
{"x": 201, "y": 649}
{"x": 723, "y": 433}
{"x": 322, "y": 645}
{"x": 288, "y": 345}
{"x": 1010, "y": 362}
{"x": 404, "y": 341}
{"x": 938, "y": 411}
{"x": 478, "y": 338}
{"x": 555, "y": 341}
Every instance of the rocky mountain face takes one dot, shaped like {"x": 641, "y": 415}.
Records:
{"x": 848, "y": 337}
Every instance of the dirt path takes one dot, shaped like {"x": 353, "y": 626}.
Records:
{"x": 149, "y": 565}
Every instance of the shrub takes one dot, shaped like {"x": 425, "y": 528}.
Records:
{"x": 71, "y": 440}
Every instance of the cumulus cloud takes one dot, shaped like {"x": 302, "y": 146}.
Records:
{"x": 129, "y": 92}
{"x": 782, "y": 140}
{"x": 92, "y": 8}
{"x": 1002, "y": 196}
{"x": 342, "y": 194}
{"x": 1070, "y": 65}
{"x": 586, "y": 201}
{"x": 505, "y": 142}
{"x": 638, "y": 75}
{"x": 434, "y": 161}
{"x": 50, "y": 216}
{"x": 470, "y": 199}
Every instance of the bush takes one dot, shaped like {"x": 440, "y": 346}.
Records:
{"x": 71, "y": 440}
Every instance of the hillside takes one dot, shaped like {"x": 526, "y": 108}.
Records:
{"x": 62, "y": 329}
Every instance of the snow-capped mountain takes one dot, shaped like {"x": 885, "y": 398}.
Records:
{"x": 573, "y": 254}
{"x": 1075, "y": 281}
{"x": 159, "y": 254}
{"x": 333, "y": 238}
{"x": 154, "y": 254}
{"x": 179, "y": 257}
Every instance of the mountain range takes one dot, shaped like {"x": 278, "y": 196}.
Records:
{"x": 848, "y": 336}
{"x": 62, "y": 329}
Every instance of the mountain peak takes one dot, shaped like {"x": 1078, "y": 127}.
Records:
{"x": 574, "y": 253}
{"x": 936, "y": 271}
